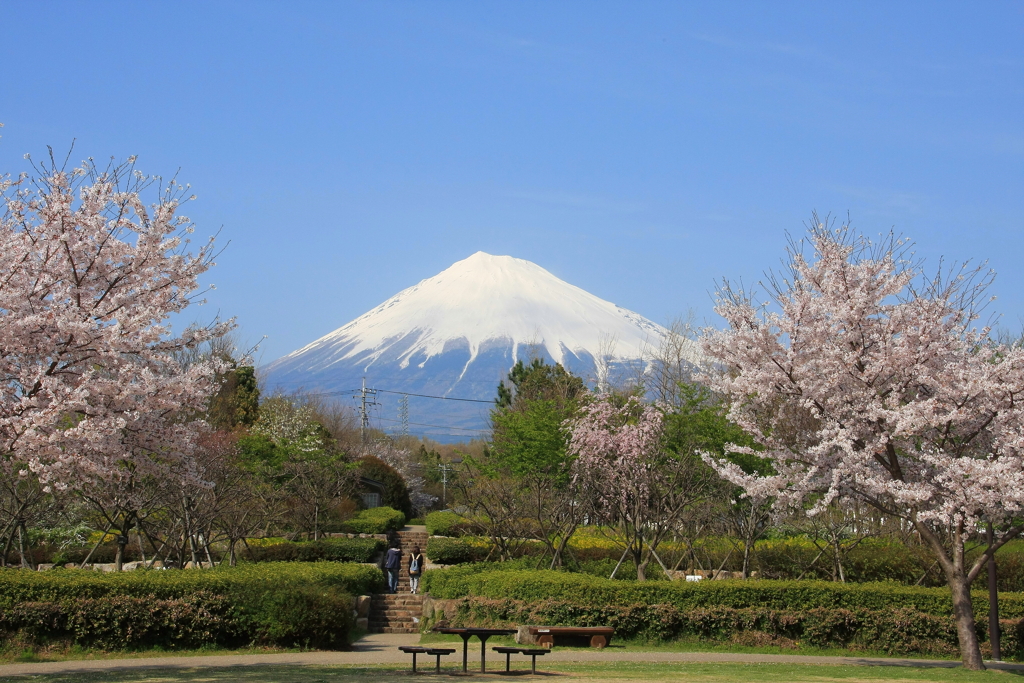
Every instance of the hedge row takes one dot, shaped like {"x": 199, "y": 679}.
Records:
{"x": 379, "y": 520}
{"x": 375, "y": 521}
{"x": 465, "y": 549}
{"x": 872, "y": 560}
{"x": 447, "y": 523}
{"x": 286, "y": 604}
{"x": 442, "y": 550}
{"x": 896, "y": 631}
{"x": 488, "y": 581}
{"x": 328, "y": 549}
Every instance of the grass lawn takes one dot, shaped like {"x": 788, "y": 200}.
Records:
{"x": 555, "y": 671}
{"x": 14, "y": 655}
{"x": 695, "y": 645}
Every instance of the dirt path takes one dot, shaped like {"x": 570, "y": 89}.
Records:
{"x": 382, "y": 648}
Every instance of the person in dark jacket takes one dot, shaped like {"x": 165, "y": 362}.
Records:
{"x": 393, "y": 564}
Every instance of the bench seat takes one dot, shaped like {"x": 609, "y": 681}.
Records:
{"x": 533, "y": 653}
{"x": 433, "y": 651}
{"x": 599, "y": 636}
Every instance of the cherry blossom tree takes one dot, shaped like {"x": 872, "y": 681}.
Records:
{"x": 862, "y": 379}
{"x": 632, "y": 480}
{"x": 89, "y": 276}
{"x": 401, "y": 459}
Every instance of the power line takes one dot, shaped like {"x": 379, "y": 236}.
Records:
{"x": 364, "y": 417}
{"x": 396, "y": 378}
{"x": 388, "y": 391}
{"x": 421, "y": 424}
{"x": 443, "y": 398}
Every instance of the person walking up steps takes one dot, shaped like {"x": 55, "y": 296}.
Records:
{"x": 393, "y": 564}
{"x": 415, "y": 569}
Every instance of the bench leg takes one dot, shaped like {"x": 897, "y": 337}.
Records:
{"x": 483, "y": 653}
{"x": 508, "y": 659}
{"x": 598, "y": 642}
{"x": 533, "y": 665}
{"x": 437, "y": 669}
{"x": 414, "y": 662}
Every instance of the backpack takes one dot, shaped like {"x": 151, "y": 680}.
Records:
{"x": 414, "y": 566}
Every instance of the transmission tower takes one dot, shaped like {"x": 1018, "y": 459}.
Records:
{"x": 364, "y": 415}
{"x": 403, "y": 414}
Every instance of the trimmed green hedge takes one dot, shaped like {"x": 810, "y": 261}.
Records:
{"x": 447, "y": 523}
{"x": 881, "y": 617}
{"x": 286, "y": 604}
{"x": 443, "y": 550}
{"x": 488, "y": 582}
{"x": 896, "y": 631}
{"x": 873, "y": 560}
{"x": 375, "y": 521}
{"x": 327, "y": 549}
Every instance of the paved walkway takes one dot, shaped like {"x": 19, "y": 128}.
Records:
{"x": 382, "y": 648}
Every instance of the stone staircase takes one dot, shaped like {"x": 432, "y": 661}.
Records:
{"x": 401, "y": 612}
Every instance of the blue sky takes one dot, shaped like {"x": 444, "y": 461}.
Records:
{"x": 637, "y": 150}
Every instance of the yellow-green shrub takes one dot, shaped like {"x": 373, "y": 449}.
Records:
{"x": 375, "y": 521}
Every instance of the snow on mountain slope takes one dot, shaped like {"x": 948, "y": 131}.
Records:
{"x": 459, "y": 332}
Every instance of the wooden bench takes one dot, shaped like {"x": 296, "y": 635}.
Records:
{"x": 509, "y": 651}
{"x": 599, "y": 636}
{"x": 417, "y": 650}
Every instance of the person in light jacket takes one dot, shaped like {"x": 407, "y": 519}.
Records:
{"x": 415, "y": 569}
{"x": 393, "y": 564}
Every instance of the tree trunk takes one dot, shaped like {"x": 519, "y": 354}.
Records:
{"x": 142, "y": 547}
{"x": 21, "y": 547}
{"x": 641, "y": 570}
{"x": 556, "y": 558}
{"x": 960, "y": 590}
{"x": 746, "y": 557}
{"x": 8, "y": 541}
{"x": 637, "y": 551}
{"x": 963, "y": 612}
{"x": 206, "y": 547}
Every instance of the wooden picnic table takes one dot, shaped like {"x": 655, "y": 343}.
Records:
{"x": 483, "y": 634}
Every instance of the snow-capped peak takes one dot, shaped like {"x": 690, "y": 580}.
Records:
{"x": 483, "y": 301}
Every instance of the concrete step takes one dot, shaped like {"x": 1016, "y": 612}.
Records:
{"x": 404, "y": 621}
{"x": 396, "y": 597}
{"x": 393, "y": 622}
{"x": 397, "y": 612}
{"x": 391, "y": 629}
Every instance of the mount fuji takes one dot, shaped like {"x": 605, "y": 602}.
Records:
{"x": 456, "y": 335}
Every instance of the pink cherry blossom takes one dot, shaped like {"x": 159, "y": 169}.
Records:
{"x": 90, "y": 276}
{"x": 866, "y": 380}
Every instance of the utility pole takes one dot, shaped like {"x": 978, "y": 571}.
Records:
{"x": 446, "y": 468}
{"x": 364, "y": 415}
